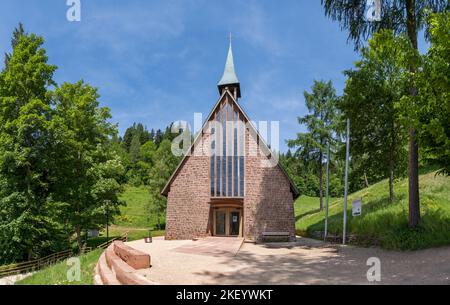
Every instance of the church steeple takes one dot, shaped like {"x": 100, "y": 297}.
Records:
{"x": 229, "y": 79}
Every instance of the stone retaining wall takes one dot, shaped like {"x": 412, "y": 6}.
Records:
{"x": 118, "y": 265}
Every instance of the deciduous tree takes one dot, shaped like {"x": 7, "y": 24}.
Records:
{"x": 27, "y": 213}
{"x": 379, "y": 81}
{"x": 88, "y": 170}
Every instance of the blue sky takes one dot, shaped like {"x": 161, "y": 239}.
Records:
{"x": 159, "y": 61}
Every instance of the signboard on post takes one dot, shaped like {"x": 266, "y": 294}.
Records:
{"x": 356, "y": 207}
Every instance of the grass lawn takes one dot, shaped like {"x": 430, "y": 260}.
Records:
{"x": 135, "y": 218}
{"x": 306, "y": 205}
{"x": 57, "y": 274}
{"x": 383, "y": 223}
{"x": 135, "y": 214}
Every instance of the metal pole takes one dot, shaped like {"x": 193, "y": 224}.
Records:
{"x": 327, "y": 200}
{"x": 347, "y": 156}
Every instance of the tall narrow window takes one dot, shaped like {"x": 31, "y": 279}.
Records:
{"x": 235, "y": 164}
{"x": 227, "y": 160}
{"x": 241, "y": 161}
{"x": 217, "y": 178}
{"x": 213, "y": 148}
{"x": 224, "y": 152}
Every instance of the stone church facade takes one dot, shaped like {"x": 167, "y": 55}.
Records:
{"x": 229, "y": 183}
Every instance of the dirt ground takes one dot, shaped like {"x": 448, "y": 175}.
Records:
{"x": 304, "y": 262}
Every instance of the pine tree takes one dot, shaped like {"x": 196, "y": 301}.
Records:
{"x": 320, "y": 123}
{"x": 135, "y": 149}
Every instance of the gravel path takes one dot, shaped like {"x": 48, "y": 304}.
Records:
{"x": 304, "y": 262}
{"x": 10, "y": 280}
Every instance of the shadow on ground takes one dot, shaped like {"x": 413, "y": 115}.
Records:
{"x": 289, "y": 264}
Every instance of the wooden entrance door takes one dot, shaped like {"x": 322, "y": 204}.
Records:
{"x": 227, "y": 222}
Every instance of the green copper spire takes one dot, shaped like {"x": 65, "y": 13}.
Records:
{"x": 229, "y": 78}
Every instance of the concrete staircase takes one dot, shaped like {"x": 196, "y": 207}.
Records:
{"x": 118, "y": 265}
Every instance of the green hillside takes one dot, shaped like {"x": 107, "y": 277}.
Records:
{"x": 136, "y": 217}
{"x": 383, "y": 223}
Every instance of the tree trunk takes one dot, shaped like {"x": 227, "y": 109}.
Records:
{"x": 413, "y": 163}
{"x": 391, "y": 187}
{"x": 29, "y": 254}
{"x": 366, "y": 180}
{"x": 78, "y": 232}
{"x": 391, "y": 168}
{"x": 414, "y": 205}
{"x": 320, "y": 180}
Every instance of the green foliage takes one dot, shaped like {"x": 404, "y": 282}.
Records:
{"x": 351, "y": 16}
{"x": 139, "y": 156}
{"x": 135, "y": 149}
{"x": 433, "y": 114}
{"x": 380, "y": 80}
{"x": 139, "y": 132}
{"x": 86, "y": 168}
{"x": 306, "y": 179}
{"x": 163, "y": 166}
{"x": 321, "y": 123}
{"x": 28, "y": 216}
{"x": 18, "y": 32}
{"x": 402, "y": 17}
{"x": 58, "y": 169}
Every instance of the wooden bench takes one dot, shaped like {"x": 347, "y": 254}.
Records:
{"x": 276, "y": 236}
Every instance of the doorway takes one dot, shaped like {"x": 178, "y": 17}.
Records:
{"x": 227, "y": 222}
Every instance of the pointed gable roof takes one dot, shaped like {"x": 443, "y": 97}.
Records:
{"x": 166, "y": 189}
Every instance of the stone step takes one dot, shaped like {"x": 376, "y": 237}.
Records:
{"x": 113, "y": 269}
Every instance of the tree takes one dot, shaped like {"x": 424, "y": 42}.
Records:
{"x": 135, "y": 149}
{"x": 18, "y": 32}
{"x": 88, "y": 170}
{"x": 311, "y": 145}
{"x": 27, "y": 214}
{"x": 433, "y": 82}
{"x": 379, "y": 81}
{"x": 159, "y": 137}
{"x": 152, "y": 135}
{"x": 118, "y": 149}
{"x": 164, "y": 165}
{"x": 146, "y": 162}
{"x": 128, "y": 137}
{"x": 401, "y": 16}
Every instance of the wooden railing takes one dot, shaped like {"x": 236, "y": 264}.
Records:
{"x": 123, "y": 237}
{"x": 37, "y": 264}
{"x": 34, "y": 265}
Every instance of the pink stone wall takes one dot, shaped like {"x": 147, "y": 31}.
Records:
{"x": 268, "y": 202}
{"x": 188, "y": 208}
